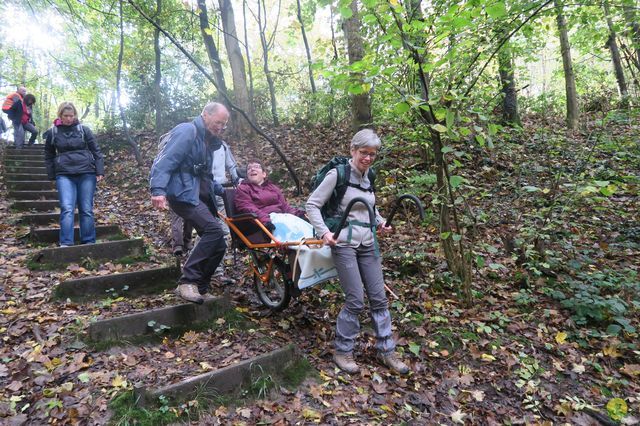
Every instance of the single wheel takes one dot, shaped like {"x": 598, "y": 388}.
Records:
{"x": 274, "y": 292}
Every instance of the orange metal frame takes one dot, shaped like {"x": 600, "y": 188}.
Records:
{"x": 274, "y": 244}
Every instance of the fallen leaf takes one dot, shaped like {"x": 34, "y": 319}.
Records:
{"x": 206, "y": 366}
{"x": 458, "y": 417}
{"x": 611, "y": 351}
{"x": 311, "y": 414}
{"x": 488, "y": 357}
{"x": 478, "y": 395}
{"x": 617, "y": 408}
{"x": 632, "y": 370}
{"x": 119, "y": 382}
{"x": 561, "y": 336}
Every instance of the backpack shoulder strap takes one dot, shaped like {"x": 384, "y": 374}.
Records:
{"x": 371, "y": 174}
{"x": 344, "y": 173}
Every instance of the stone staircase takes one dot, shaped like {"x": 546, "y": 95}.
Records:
{"x": 35, "y": 204}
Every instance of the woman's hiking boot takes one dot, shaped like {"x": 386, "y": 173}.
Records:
{"x": 394, "y": 363}
{"x": 346, "y": 363}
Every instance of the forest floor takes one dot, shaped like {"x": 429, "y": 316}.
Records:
{"x": 550, "y": 337}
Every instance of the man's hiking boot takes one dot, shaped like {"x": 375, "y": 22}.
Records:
{"x": 177, "y": 251}
{"x": 190, "y": 293}
{"x": 346, "y": 363}
{"x": 393, "y": 363}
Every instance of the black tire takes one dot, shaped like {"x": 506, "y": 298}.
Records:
{"x": 276, "y": 293}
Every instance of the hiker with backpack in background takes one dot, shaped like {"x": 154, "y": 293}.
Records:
{"x": 355, "y": 252}
{"x": 73, "y": 159}
{"x": 181, "y": 178}
{"x": 13, "y": 106}
{"x": 27, "y": 118}
{"x": 223, "y": 168}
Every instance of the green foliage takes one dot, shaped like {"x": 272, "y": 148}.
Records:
{"x": 127, "y": 412}
{"x": 601, "y": 298}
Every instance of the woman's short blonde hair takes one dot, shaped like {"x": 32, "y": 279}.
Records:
{"x": 67, "y": 106}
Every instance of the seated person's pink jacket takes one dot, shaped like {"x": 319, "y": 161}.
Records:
{"x": 262, "y": 199}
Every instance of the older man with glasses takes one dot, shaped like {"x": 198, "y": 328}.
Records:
{"x": 181, "y": 178}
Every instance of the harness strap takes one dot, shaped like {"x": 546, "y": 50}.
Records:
{"x": 357, "y": 186}
{"x": 351, "y": 223}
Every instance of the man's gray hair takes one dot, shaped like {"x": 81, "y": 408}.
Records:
{"x": 365, "y": 138}
{"x": 213, "y": 107}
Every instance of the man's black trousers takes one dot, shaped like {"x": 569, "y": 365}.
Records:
{"x": 208, "y": 253}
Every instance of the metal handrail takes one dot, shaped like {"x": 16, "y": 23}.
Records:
{"x": 343, "y": 219}
{"x": 398, "y": 202}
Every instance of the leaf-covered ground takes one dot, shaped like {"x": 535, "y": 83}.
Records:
{"x": 551, "y": 335}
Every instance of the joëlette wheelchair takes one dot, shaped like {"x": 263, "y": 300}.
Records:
{"x": 272, "y": 261}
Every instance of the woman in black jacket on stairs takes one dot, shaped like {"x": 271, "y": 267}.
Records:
{"x": 75, "y": 162}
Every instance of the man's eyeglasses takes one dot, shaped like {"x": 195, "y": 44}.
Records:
{"x": 221, "y": 125}
{"x": 254, "y": 166}
{"x": 368, "y": 154}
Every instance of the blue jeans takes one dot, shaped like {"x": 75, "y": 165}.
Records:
{"x": 72, "y": 190}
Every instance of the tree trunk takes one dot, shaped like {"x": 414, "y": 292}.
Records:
{"x": 634, "y": 31}
{"x": 157, "y": 78}
{"x": 212, "y": 50}
{"x": 573, "y": 112}
{"x": 227, "y": 99}
{"x": 252, "y": 109}
{"x": 240, "y": 92}
{"x": 306, "y": 47}
{"x": 125, "y": 128}
{"x": 360, "y": 103}
{"x": 615, "y": 55}
{"x": 331, "y": 118}
{"x": 262, "y": 26}
{"x": 510, "y": 113}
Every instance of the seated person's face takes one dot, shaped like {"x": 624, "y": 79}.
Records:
{"x": 255, "y": 173}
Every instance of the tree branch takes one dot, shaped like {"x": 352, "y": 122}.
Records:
{"x": 200, "y": 68}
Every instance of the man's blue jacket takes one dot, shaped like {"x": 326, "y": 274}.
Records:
{"x": 172, "y": 172}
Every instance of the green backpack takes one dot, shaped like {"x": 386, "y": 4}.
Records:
{"x": 329, "y": 211}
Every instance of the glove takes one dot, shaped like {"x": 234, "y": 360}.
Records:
{"x": 270, "y": 226}
{"x": 217, "y": 188}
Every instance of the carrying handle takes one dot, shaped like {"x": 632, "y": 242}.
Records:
{"x": 399, "y": 201}
{"x": 343, "y": 219}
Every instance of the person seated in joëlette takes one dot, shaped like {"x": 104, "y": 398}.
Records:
{"x": 257, "y": 195}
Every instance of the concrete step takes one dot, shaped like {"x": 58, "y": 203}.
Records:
{"x": 128, "y": 284}
{"x": 33, "y": 146}
{"x": 29, "y": 150}
{"x": 26, "y": 170}
{"x": 183, "y": 316}
{"x": 25, "y": 176}
{"x": 225, "y": 381}
{"x": 112, "y": 250}
{"x": 38, "y": 206}
{"x": 24, "y": 163}
{"x": 34, "y": 185}
{"x": 25, "y": 157}
{"x": 34, "y": 195}
{"x": 50, "y": 235}
{"x": 42, "y": 219}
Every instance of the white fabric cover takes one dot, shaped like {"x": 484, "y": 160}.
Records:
{"x": 315, "y": 263}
